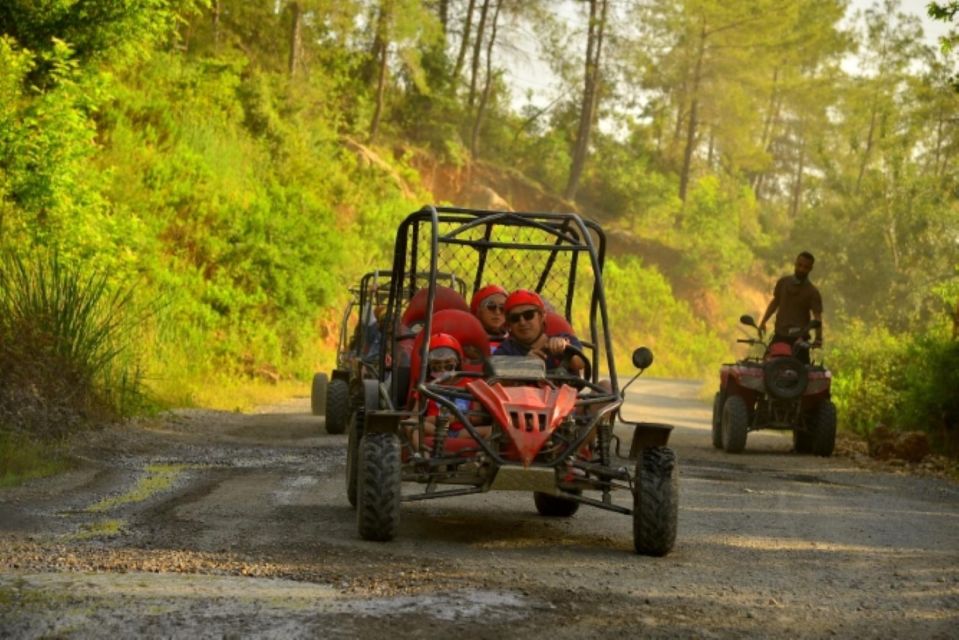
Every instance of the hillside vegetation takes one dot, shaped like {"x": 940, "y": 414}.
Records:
{"x": 227, "y": 168}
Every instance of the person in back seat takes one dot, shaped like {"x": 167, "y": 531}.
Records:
{"x": 488, "y": 304}
{"x": 526, "y": 319}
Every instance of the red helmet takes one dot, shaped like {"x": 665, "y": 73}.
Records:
{"x": 445, "y": 342}
{"x": 522, "y": 297}
{"x": 483, "y": 294}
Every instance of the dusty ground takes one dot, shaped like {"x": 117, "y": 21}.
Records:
{"x": 217, "y": 524}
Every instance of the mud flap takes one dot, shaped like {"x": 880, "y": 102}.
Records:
{"x": 647, "y": 435}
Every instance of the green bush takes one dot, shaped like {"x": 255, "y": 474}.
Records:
{"x": 643, "y": 311}
{"x": 904, "y": 381}
{"x": 65, "y": 346}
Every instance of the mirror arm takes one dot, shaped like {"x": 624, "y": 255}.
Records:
{"x": 622, "y": 390}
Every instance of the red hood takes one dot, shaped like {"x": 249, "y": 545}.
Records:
{"x": 528, "y": 414}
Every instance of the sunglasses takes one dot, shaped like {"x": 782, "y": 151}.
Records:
{"x": 493, "y": 306}
{"x": 442, "y": 366}
{"x": 527, "y": 315}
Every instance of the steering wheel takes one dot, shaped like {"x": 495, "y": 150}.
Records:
{"x": 565, "y": 369}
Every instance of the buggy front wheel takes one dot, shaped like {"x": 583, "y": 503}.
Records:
{"x": 378, "y": 487}
{"x": 655, "y": 502}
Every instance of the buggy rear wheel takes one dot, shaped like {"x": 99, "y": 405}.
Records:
{"x": 655, "y": 502}
{"x": 337, "y": 406}
{"x": 824, "y": 429}
{"x": 318, "y": 394}
{"x": 717, "y": 421}
{"x": 378, "y": 487}
{"x": 555, "y": 506}
{"x": 734, "y": 424}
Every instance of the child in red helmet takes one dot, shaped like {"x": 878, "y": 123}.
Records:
{"x": 526, "y": 320}
{"x": 488, "y": 304}
{"x": 443, "y": 361}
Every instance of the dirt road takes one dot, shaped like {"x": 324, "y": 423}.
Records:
{"x": 217, "y": 524}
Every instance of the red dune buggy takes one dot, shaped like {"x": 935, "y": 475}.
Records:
{"x": 546, "y": 432}
{"x": 775, "y": 390}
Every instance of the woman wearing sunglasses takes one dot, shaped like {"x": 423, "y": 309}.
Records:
{"x": 488, "y": 304}
{"x": 526, "y": 321}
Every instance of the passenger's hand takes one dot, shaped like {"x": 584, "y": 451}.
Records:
{"x": 557, "y": 345}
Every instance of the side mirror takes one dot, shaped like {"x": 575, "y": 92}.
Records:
{"x": 815, "y": 324}
{"x": 642, "y": 358}
{"x": 747, "y": 320}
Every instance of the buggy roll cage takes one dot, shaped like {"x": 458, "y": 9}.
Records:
{"x": 569, "y": 233}
{"x": 366, "y": 296}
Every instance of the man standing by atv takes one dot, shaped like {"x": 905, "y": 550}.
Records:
{"x": 795, "y": 298}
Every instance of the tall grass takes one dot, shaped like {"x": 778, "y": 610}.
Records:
{"x": 67, "y": 356}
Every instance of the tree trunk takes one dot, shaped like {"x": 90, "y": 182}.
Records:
{"x": 940, "y": 123}
{"x": 796, "y": 199}
{"x": 381, "y": 23}
{"x": 477, "y": 49}
{"x": 765, "y": 141}
{"x": 216, "y": 26}
{"x": 296, "y": 35}
{"x": 484, "y": 98}
{"x": 711, "y": 149}
{"x": 444, "y": 11}
{"x": 868, "y": 150}
{"x": 464, "y": 44}
{"x": 693, "y": 115}
{"x": 594, "y": 50}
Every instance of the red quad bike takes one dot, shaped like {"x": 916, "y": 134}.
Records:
{"x": 551, "y": 433}
{"x": 775, "y": 391}
{"x": 333, "y": 395}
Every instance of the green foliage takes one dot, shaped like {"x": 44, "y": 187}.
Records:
{"x": 867, "y": 365}
{"x": 644, "y": 311}
{"x": 94, "y": 30}
{"x": 711, "y": 231}
{"x": 66, "y": 347}
{"x": 903, "y": 381}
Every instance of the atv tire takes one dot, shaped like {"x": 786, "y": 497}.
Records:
{"x": 318, "y": 394}
{"x": 717, "y": 421}
{"x": 554, "y": 506}
{"x": 378, "y": 487}
{"x": 823, "y": 424}
{"x": 655, "y": 502}
{"x": 337, "y": 406}
{"x": 355, "y": 434}
{"x": 734, "y": 424}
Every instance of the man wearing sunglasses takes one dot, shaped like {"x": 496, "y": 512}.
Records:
{"x": 488, "y": 304}
{"x": 526, "y": 320}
